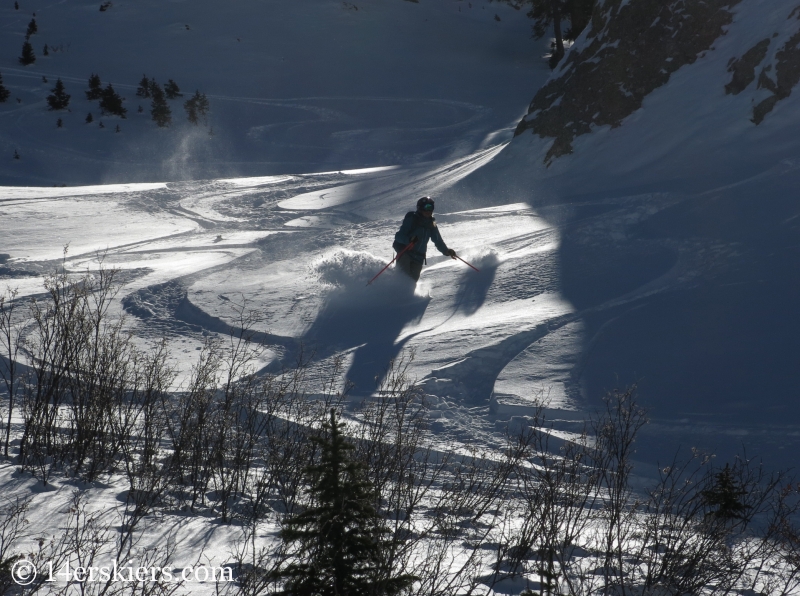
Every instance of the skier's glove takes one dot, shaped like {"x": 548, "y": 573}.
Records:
{"x": 414, "y": 239}
{"x": 452, "y": 253}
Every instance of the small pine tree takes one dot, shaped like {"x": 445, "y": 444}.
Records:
{"x": 196, "y": 107}
{"x": 337, "y": 542}
{"x": 59, "y": 123}
{"x": 118, "y": 129}
{"x": 58, "y": 99}
{"x": 32, "y": 29}
{"x": 191, "y": 111}
{"x": 44, "y": 79}
{"x": 16, "y": 154}
{"x": 202, "y": 105}
{"x": 172, "y": 90}
{"x": 724, "y": 497}
{"x": 95, "y": 90}
{"x": 89, "y": 118}
{"x": 4, "y": 93}
{"x": 140, "y": 110}
{"x": 143, "y": 90}
{"x": 45, "y": 50}
{"x": 111, "y": 102}
{"x": 16, "y": 5}
{"x": 102, "y": 125}
{"x": 28, "y": 57}
{"x": 159, "y": 110}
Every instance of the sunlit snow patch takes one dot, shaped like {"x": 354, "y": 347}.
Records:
{"x": 324, "y": 221}
{"x": 46, "y": 192}
{"x": 344, "y": 268}
{"x": 480, "y": 258}
{"x": 255, "y": 181}
{"x": 349, "y": 271}
{"x": 357, "y": 172}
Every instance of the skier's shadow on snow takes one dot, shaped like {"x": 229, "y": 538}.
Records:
{"x": 473, "y": 288}
{"x": 368, "y": 321}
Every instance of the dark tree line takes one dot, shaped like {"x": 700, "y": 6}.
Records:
{"x": 196, "y": 107}
{"x": 568, "y": 18}
{"x": 111, "y": 102}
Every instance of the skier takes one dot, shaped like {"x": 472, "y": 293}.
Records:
{"x": 418, "y": 227}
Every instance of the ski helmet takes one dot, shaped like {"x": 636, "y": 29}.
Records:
{"x": 425, "y": 204}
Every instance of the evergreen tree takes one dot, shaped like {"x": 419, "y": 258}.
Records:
{"x": 545, "y": 13}
{"x": 32, "y": 28}
{"x": 16, "y": 5}
{"x": 46, "y": 50}
{"x": 337, "y": 543}
{"x": 58, "y": 99}
{"x": 4, "y": 93}
{"x": 172, "y": 90}
{"x": 724, "y": 497}
{"x": 59, "y": 123}
{"x": 143, "y": 90}
{"x": 196, "y": 107}
{"x": 95, "y": 90}
{"x": 202, "y": 105}
{"x": 89, "y": 118}
{"x": 580, "y": 13}
{"x": 555, "y": 13}
{"x": 16, "y": 154}
{"x": 191, "y": 111}
{"x": 28, "y": 57}
{"x": 159, "y": 110}
{"x": 111, "y": 102}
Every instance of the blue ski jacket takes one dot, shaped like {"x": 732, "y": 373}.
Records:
{"x": 424, "y": 229}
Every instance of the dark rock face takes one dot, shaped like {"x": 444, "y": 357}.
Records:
{"x": 787, "y": 74}
{"x": 632, "y": 48}
{"x": 744, "y": 68}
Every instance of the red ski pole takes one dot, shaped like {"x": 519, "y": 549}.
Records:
{"x": 397, "y": 256}
{"x": 463, "y": 261}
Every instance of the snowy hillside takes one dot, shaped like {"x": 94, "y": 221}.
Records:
{"x": 678, "y": 211}
{"x": 642, "y": 226}
{"x": 657, "y": 252}
{"x": 293, "y": 87}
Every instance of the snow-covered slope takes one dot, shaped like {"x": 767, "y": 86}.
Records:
{"x": 294, "y": 87}
{"x": 675, "y": 192}
{"x": 662, "y": 250}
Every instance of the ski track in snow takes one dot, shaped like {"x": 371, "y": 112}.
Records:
{"x": 488, "y": 343}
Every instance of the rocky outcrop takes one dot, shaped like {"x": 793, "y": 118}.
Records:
{"x": 787, "y": 74}
{"x": 744, "y": 68}
{"x": 632, "y": 47}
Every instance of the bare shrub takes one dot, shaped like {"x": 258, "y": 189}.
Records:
{"x": 10, "y": 346}
{"x": 82, "y": 363}
{"x": 12, "y": 524}
{"x": 698, "y": 529}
